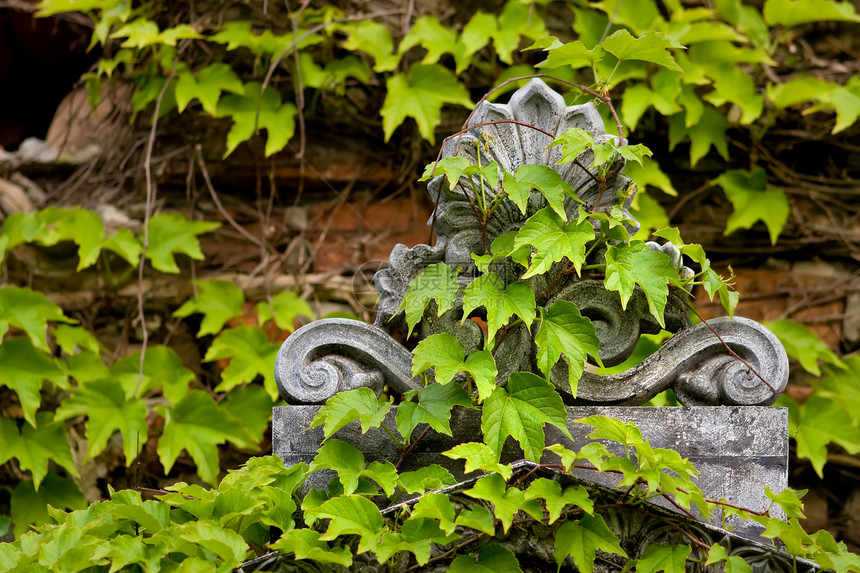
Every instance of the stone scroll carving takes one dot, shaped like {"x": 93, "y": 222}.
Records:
{"x": 333, "y": 355}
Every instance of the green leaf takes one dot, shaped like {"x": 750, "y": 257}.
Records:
{"x": 71, "y": 338}
{"x": 30, "y": 506}
{"x": 30, "y": 311}
{"x": 736, "y": 86}
{"x": 435, "y": 283}
{"x": 662, "y": 558}
{"x": 124, "y": 244}
{"x": 789, "y": 500}
{"x": 306, "y": 544}
{"x": 635, "y": 264}
{"x": 571, "y": 55}
{"x": 434, "y": 406}
{"x": 431, "y": 35}
{"x": 350, "y": 515}
{"x": 492, "y": 558}
{"x": 818, "y": 422}
{"x": 446, "y": 353}
{"x": 207, "y": 86}
{"x": 107, "y": 409}
{"x": 476, "y": 34}
{"x": 349, "y": 464}
{"x": 521, "y": 410}
{"x": 372, "y": 38}
{"x": 795, "y": 12}
{"x": 506, "y": 501}
{"x": 162, "y": 368}
{"x": 420, "y": 94}
{"x": 172, "y": 233}
{"x": 451, "y": 166}
{"x": 556, "y": 501}
{"x": 543, "y": 178}
{"x": 803, "y": 345}
{"x": 33, "y": 447}
{"x": 252, "y": 111}
{"x": 842, "y": 384}
{"x": 436, "y": 506}
{"x": 581, "y": 540}
{"x": 345, "y": 407}
{"x": 23, "y": 368}
{"x": 226, "y": 544}
{"x": 650, "y": 47}
{"x": 709, "y": 131}
{"x": 797, "y": 90}
{"x": 606, "y": 428}
{"x": 563, "y": 330}
{"x": 554, "y": 241}
{"x": 488, "y": 290}
{"x": 414, "y": 536}
{"x": 752, "y": 202}
{"x": 477, "y": 518}
{"x": 251, "y": 355}
{"x": 198, "y": 425}
{"x": 217, "y": 301}
{"x": 252, "y": 406}
{"x": 429, "y": 477}
{"x": 479, "y": 456}
{"x": 284, "y": 308}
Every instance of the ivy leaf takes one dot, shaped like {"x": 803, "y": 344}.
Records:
{"x": 437, "y": 282}
{"x": 349, "y": 464}
{"x": 556, "y": 501}
{"x": 171, "y": 233}
{"x": 488, "y": 290}
{"x": 346, "y": 407}
{"x": 475, "y": 35}
{"x": 662, "y": 558}
{"x": 104, "y": 403}
{"x": 251, "y": 111}
{"x": 581, "y": 540}
{"x": 650, "y": 47}
{"x": 635, "y": 264}
{"x": 207, "y": 86}
{"x": 434, "y": 406}
{"x": 521, "y": 410}
{"x": 452, "y": 167}
{"x": 709, "y": 131}
{"x": 576, "y": 141}
{"x": 350, "y": 515}
{"x": 30, "y": 506}
{"x": 438, "y": 507}
{"x": 71, "y": 338}
{"x": 23, "y": 368}
{"x": 429, "y": 477}
{"x": 198, "y": 425}
{"x": 734, "y": 85}
{"x": 431, "y": 35}
{"x": 30, "y": 311}
{"x": 446, "y": 353}
{"x": 420, "y": 94}
{"x": 818, "y": 422}
{"x": 284, "y": 308}
{"x": 563, "y": 330}
{"x": 803, "y": 345}
{"x": 543, "y": 178}
{"x": 479, "y": 456}
{"x": 477, "y": 518}
{"x": 124, "y": 244}
{"x": 795, "y": 12}
{"x": 223, "y": 542}
{"x": 606, "y": 428}
{"x": 573, "y": 55}
{"x": 554, "y": 241}
{"x": 506, "y": 501}
{"x": 306, "y": 544}
{"x": 34, "y": 446}
{"x": 789, "y": 500}
{"x": 162, "y": 368}
{"x": 250, "y": 354}
{"x": 415, "y": 536}
{"x": 217, "y": 301}
{"x": 372, "y": 38}
{"x": 492, "y": 558}
{"x": 752, "y": 202}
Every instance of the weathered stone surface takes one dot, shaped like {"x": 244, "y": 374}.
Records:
{"x": 739, "y": 450}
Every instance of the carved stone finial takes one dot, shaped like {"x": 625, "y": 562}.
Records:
{"x": 333, "y": 355}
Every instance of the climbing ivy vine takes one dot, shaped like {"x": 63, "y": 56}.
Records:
{"x": 633, "y": 59}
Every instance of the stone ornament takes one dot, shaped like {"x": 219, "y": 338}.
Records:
{"x": 335, "y": 355}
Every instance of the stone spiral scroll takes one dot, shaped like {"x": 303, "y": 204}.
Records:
{"x": 335, "y": 355}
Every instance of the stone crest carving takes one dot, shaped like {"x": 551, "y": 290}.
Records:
{"x": 329, "y": 356}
